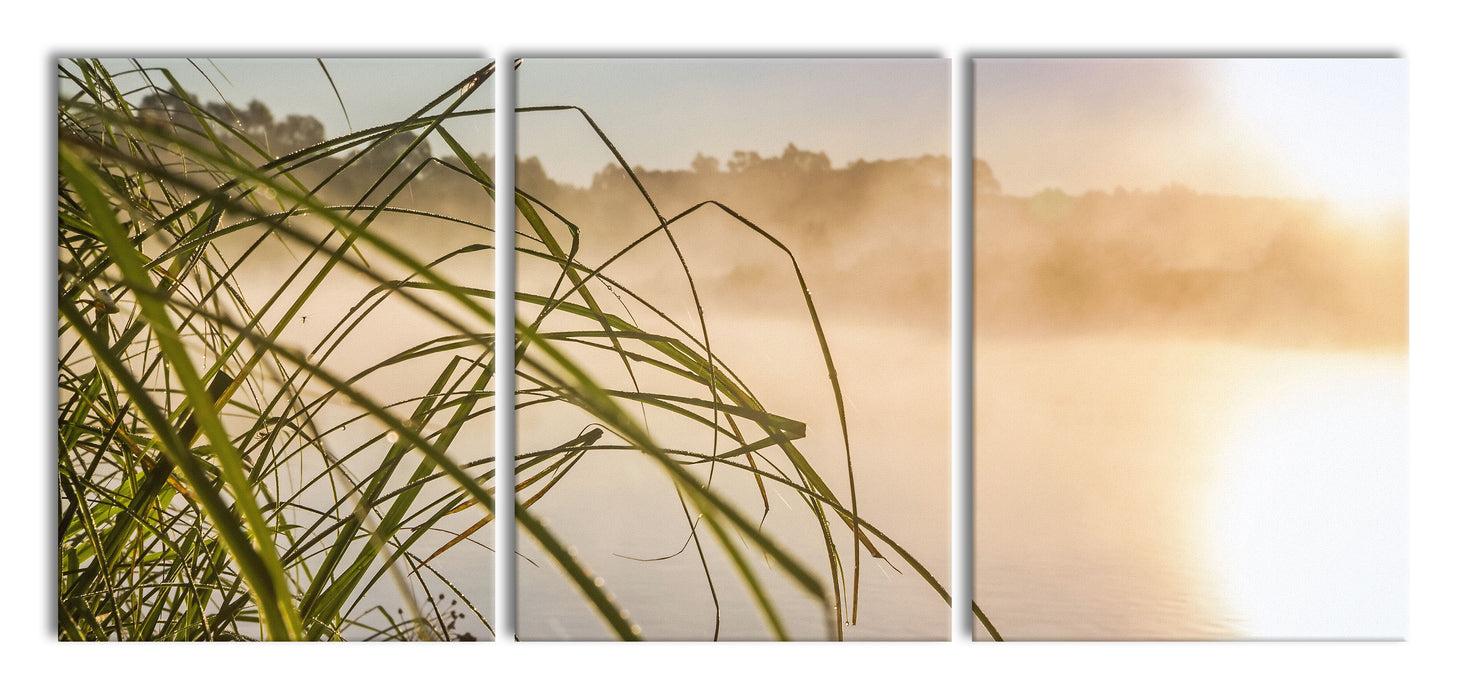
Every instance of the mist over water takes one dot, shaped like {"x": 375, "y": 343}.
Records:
{"x": 1190, "y": 312}
{"x": 1122, "y": 339}
{"x": 871, "y": 237}
{"x": 621, "y": 505}
{"x": 1126, "y": 346}
{"x": 350, "y": 327}
{"x": 1138, "y": 473}
{"x": 1180, "y": 263}
{"x": 872, "y": 241}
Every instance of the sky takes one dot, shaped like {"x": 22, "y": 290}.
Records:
{"x": 661, "y": 113}
{"x": 1333, "y": 128}
{"x": 374, "y": 90}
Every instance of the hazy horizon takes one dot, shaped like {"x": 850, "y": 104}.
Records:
{"x": 1298, "y": 128}
{"x": 1145, "y": 467}
{"x": 662, "y": 113}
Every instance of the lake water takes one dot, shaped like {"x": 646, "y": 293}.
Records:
{"x": 896, "y": 384}
{"x": 1124, "y": 489}
{"x": 1144, "y": 489}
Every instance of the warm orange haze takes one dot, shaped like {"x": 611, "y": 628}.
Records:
{"x": 834, "y": 327}
{"x": 276, "y": 369}
{"x": 1190, "y": 312}
{"x": 732, "y": 386}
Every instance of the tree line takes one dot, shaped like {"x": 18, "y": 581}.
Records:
{"x": 875, "y": 235}
{"x": 349, "y": 175}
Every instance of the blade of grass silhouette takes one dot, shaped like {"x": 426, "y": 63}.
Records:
{"x": 595, "y": 399}
{"x": 336, "y": 92}
{"x": 568, "y": 272}
{"x": 278, "y": 406}
{"x": 709, "y": 501}
{"x": 260, "y": 565}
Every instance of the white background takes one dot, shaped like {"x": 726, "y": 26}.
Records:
{"x": 1429, "y": 663}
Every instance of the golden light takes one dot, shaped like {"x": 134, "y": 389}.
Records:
{"x": 1309, "y": 516}
{"x": 1336, "y": 127}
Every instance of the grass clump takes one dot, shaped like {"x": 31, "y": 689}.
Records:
{"x": 275, "y": 375}
{"x": 241, "y": 455}
{"x": 580, "y": 315}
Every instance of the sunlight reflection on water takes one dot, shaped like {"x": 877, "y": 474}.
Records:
{"x": 1131, "y": 489}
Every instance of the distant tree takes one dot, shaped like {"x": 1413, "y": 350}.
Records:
{"x": 296, "y": 132}
{"x": 610, "y": 177}
{"x": 168, "y": 106}
{"x": 984, "y": 181}
{"x": 744, "y": 161}
{"x": 257, "y": 120}
{"x": 382, "y": 155}
{"x": 222, "y": 112}
{"x": 1051, "y": 204}
{"x": 705, "y": 165}
{"x": 805, "y": 161}
{"x": 530, "y": 175}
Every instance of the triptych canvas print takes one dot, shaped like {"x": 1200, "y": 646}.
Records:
{"x": 1159, "y": 329}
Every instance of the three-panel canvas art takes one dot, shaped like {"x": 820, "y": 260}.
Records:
{"x": 1162, "y": 304}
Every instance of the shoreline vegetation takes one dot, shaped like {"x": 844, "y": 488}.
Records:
{"x": 588, "y": 315}
{"x": 1175, "y": 262}
{"x": 1166, "y": 262}
{"x": 231, "y": 465}
{"x": 241, "y": 456}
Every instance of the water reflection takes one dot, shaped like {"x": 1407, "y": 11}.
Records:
{"x": 616, "y": 507}
{"x": 1309, "y": 522}
{"x": 1148, "y": 489}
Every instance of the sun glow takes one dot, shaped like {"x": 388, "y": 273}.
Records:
{"x": 1338, "y": 127}
{"x": 1309, "y": 516}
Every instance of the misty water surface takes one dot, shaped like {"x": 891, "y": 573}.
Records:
{"x": 1143, "y": 489}
{"x": 897, "y": 405}
{"x": 887, "y": 328}
{"x": 1189, "y": 416}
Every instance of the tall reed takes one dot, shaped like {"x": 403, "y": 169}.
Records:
{"x": 210, "y": 458}
{"x": 243, "y": 455}
{"x": 594, "y": 319}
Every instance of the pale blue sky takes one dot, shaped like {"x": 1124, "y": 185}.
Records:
{"x": 1284, "y": 127}
{"x": 375, "y": 91}
{"x": 661, "y": 113}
